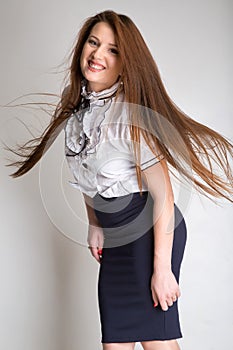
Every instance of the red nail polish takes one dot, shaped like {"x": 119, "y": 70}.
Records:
{"x": 100, "y": 251}
{"x": 155, "y": 304}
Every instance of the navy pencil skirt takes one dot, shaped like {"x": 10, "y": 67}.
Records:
{"x": 127, "y": 312}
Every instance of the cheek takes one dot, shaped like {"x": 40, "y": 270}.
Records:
{"x": 84, "y": 54}
{"x": 83, "y": 61}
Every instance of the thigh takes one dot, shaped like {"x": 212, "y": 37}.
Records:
{"x": 160, "y": 345}
{"x": 118, "y": 346}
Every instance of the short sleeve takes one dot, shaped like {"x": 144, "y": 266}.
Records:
{"x": 149, "y": 158}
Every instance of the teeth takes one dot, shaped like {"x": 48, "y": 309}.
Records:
{"x": 95, "y": 66}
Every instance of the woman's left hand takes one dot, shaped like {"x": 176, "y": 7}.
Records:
{"x": 165, "y": 289}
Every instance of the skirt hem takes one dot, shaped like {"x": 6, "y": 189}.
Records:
{"x": 137, "y": 340}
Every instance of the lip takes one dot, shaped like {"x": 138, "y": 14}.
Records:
{"x": 98, "y": 67}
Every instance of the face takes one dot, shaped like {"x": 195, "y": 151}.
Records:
{"x": 100, "y": 61}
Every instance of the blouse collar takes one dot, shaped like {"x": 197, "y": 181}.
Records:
{"x": 93, "y": 96}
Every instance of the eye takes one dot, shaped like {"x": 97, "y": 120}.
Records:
{"x": 92, "y": 42}
{"x": 114, "y": 51}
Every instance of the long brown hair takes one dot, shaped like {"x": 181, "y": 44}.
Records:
{"x": 142, "y": 85}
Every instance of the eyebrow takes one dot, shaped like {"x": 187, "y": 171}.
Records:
{"x": 99, "y": 40}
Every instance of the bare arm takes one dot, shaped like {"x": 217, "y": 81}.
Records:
{"x": 90, "y": 211}
{"x": 95, "y": 232}
{"x": 164, "y": 286}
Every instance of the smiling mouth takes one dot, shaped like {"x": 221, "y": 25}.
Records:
{"x": 95, "y": 67}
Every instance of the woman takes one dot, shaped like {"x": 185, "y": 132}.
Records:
{"x": 122, "y": 132}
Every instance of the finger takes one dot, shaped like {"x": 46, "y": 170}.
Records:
{"x": 156, "y": 301}
{"x": 169, "y": 302}
{"x": 164, "y": 305}
{"x": 155, "y": 298}
{"x": 100, "y": 253}
{"x": 94, "y": 252}
{"x": 174, "y": 298}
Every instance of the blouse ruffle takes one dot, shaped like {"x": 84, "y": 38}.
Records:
{"x": 83, "y": 128}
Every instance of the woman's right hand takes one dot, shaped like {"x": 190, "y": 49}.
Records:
{"x": 95, "y": 241}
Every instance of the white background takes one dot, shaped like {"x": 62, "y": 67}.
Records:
{"x": 48, "y": 297}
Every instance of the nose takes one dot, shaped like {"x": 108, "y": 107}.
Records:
{"x": 98, "y": 53}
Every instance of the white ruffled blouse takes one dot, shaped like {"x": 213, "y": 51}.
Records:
{"x": 99, "y": 149}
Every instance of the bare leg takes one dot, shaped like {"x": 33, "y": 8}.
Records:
{"x": 160, "y": 345}
{"x": 118, "y": 346}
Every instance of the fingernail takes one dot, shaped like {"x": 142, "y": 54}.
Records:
{"x": 100, "y": 251}
{"x": 155, "y": 304}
